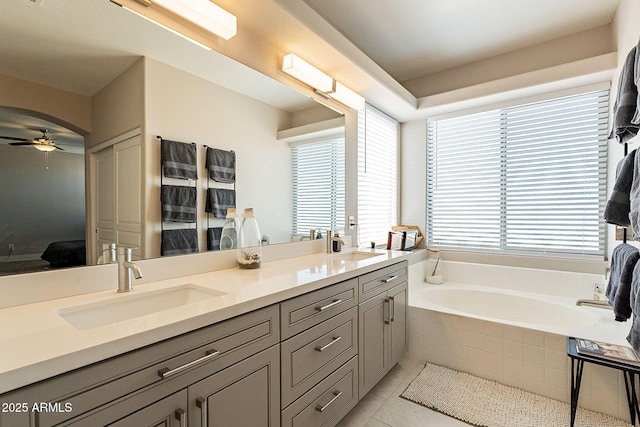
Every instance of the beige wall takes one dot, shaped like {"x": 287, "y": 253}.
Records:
{"x": 183, "y": 107}
{"x": 58, "y": 106}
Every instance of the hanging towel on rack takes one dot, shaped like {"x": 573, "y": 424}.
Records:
{"x": 636, "y": 80}
{"x": 178, "y": 203}
{"x": 219, "y": 200}
{"x": 625, "y": 106}
{"x": 619, "y": 204}
{"x": 634, "y": 334}
{"x": 623, "y": 261}
{"x": 221, "y": 165}
{"x": 213, "y": 238}
{"x": 182, "y": 241}
{"x": 179, "y": 159}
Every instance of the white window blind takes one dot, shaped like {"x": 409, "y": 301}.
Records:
{"x": 377, "y": 175}
{"x": 318, "y": 185}
{"x": 525, "y": 179}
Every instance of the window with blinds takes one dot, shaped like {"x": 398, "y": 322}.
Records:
{"x": 318, "y": 185}
{"x": 377, "y": 175}
{"x": 526, "y": 179}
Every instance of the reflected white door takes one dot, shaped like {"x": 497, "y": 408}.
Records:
{"x": 117, "y": 201}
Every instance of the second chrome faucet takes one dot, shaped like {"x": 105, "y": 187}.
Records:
{"x": 127, "y": 270}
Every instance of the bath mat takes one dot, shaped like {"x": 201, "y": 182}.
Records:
{"x": 486, "y": 403}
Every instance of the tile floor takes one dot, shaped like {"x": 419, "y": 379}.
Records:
{"x": 383, "y": 406}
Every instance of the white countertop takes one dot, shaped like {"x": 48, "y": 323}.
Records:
{"x": 37, "y": 343}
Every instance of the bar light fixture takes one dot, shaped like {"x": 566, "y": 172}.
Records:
{"x": 322, "y": 83}
{"x": 191, "y": 19}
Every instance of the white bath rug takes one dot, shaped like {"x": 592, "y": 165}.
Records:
{"x": 486, "y": 403}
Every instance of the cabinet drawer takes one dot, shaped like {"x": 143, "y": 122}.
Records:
{"x": 310, "y": 356}
{"x": 326, "y": 403}
{"x": 373, "y": 283}
{"x": 305, "y": 311}
{"x": 183, "y": 358}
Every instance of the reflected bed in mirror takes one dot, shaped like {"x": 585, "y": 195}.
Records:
{"x": 67, "y": 82}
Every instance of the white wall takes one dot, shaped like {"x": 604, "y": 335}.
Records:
{"x": 180, "y": 106}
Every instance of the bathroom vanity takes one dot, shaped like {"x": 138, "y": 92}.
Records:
{"x": 298, "y": 343}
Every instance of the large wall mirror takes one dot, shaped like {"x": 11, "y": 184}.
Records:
{"x": 63, "y": 64}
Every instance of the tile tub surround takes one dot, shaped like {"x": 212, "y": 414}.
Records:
{"x": 531, "y": 359}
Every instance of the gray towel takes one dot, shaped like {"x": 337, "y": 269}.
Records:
{"x": 634, "y": 201}
{"x": 623, "y": 261}
{"x": 624, "y": 109}
{"x": 636, "y": 80}
{"x": 221, "y": 165}
{"x": 619, "y": 204}
{"x": 213, "y": 238}
{"x": 178, "y": 203}
{"x": 179, "y": 159}
{"x": 634, "y": 333}
{"x": 219, "y": 200}
{"x": 175, "y": 242}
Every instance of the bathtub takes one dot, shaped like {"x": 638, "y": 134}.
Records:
{"x": 516, "y": 338}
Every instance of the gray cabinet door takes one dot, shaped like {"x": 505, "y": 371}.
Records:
{"x": 167, "y": 412}
{"x": 398, "y": 323}
{"x": 244, "y": 394}
{"x": 371, "y": 342}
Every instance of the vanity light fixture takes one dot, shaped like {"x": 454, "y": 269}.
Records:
{"x": 194, "y": 20}
{"x": 323, "y": 84}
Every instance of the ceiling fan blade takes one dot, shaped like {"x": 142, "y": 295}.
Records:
{"x": 22, "y": 143}
{"x": 11, "y": 138}
{"x": 58, "y": 148}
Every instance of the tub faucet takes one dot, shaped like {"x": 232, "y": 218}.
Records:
{"x": 126, "y": 270}
{"x": 594, "y": 303}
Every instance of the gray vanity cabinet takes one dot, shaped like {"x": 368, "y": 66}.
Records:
{"x": 382, "y": 319}
{"x": 319, "y": 357}
{"x": 155, "y": 378}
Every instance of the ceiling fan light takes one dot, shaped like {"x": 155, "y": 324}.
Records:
{"x": 44, "y": 147}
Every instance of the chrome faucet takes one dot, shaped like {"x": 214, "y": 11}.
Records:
{"x": 330, "y": 240}
{"x": 594, "y": 303}
{"x": 126, "y": 270}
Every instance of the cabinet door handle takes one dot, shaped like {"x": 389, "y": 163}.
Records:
{"x": 390, "y": 279}
{"x": 333, "y": 341}
{"x": 328, "y": 306}
{"x": 201, "y": 403}
{"x": 166, "y": 372}
{"x": 336, "y": 394}
{"x": 392, "y": 308}
{"x": 181, "y": 416}
{"x": 386, "y": 311}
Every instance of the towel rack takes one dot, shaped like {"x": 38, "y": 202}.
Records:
{"x": 209, "y": 180}
{"x": 162, "y": 183}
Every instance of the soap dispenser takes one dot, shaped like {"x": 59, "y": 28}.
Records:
{"x": 336, "y": 244}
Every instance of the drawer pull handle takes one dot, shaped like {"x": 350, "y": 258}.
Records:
{"x": 390, "y": 279}
{"x": 328, "y": 306}
{"x": 386, "y": 311}
{"x": 392, "y": 308}
{"x": 201, "y": 403}
{"x": 181, "y": 416}
{"x": 336, "y": 394}
{"x": 166, "y": 372}
{"x": 333, "y": 341}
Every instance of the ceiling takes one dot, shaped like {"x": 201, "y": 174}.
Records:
{"x": 80, "y": 45}
{"x": 414, "y": 38}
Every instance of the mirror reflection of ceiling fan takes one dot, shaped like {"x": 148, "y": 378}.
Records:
{"x": 43, "y": 143}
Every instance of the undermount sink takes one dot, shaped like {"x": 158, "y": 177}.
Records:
{"x": 130, "y": 306}
{"x": 355, "y": 256}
